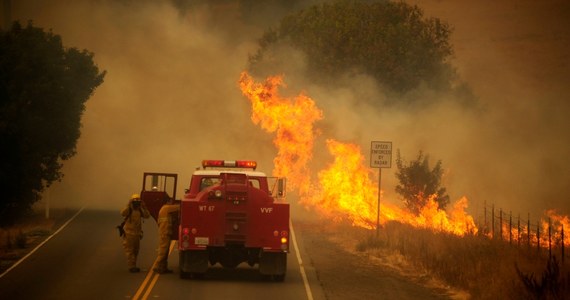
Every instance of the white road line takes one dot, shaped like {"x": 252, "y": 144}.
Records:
{"x": 303, "y": 274}
{"x": 41, "y": 244}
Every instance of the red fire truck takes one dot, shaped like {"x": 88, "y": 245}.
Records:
{"x": 230, "y": 214}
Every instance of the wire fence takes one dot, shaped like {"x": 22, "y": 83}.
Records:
{"x": 542, "y": 234}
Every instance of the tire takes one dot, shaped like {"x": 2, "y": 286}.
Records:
{"x": 193, "y": 262}
{"x": 273, "y": 265}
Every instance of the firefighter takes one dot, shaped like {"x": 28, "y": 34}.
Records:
{"x": 167, "y": 216}
{"x": 133, "y": 213}
{"x": 207, "y": 182}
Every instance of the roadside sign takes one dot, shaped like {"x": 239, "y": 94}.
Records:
{"x": 381, "y": 154}
{"x": 380, "y": 157}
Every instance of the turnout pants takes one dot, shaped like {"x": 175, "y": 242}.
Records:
{"x": 131, "y": 244}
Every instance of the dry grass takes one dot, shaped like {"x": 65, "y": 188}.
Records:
{"x": 471, "y": 267}
{"x": 18, "y": 240}
{"x": 484, "y": 268}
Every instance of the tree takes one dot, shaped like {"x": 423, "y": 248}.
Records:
{"x": 43, "y": 90}
{"x": 267, "y": 12}
{"x": 418, "y": 183}
{"x": 390, "y": 41}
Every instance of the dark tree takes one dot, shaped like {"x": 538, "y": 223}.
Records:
{"x": 418, "y": 183}
{"x": 43, "y": 90}
{"x": 268, "y": 12}
{"x": 391, "y": 41}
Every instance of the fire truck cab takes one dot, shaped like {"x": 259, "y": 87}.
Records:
{"x": 233, "y": 214}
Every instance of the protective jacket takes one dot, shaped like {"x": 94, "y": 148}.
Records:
{"x": 166, "y": 216}
{"x": 133, "y": 222}
{"x": 133, "y": 233}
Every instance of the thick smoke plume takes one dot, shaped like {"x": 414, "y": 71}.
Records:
{"x": 170, "y": 99}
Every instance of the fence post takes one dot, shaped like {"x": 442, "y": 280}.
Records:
{"x": 501, "y": 223}
{"x": 510, "y": 227}
{"x": 485, "y": 227}
{"x": 519, "y": 231}
{"x": 528, "y": 230}
{"x": 493, "y": 221}
{"x": 549, "y": 239}
{"x": 538, "y": 235}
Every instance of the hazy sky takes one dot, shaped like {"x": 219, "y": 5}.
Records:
{"x": 170, "y": 99}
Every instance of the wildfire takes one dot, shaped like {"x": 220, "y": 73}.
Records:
{"x": 346, "y": 189}
{"x": 457, "y": 221}
{"x": 291, "y": 119}
{"x": 557, "y": 224}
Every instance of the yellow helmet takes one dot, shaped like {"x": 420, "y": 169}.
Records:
{"x": 135, "y": 196}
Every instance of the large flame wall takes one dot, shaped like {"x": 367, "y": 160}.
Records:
{"x": 346, "y": 189}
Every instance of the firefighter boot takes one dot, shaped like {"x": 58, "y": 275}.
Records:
{"x": 162, "y": 267}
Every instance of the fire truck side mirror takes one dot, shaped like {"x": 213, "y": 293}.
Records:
{"x": 281, "y": 187}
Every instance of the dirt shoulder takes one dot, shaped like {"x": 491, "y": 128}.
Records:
{"x": 345, "y": 273}
{"x": 19, "y": 240}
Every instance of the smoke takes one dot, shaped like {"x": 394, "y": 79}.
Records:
{"x": 170, "y": 99}
{"x": 514, "y": 153}
{"x": 514, "y": 54}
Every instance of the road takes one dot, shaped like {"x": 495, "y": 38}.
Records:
{"x": 85, "y": 260}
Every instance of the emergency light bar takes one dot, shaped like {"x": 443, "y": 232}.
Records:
{"x": 248, "y": 164}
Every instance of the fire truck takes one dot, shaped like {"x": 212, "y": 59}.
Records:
{"x": 229, "y": 215}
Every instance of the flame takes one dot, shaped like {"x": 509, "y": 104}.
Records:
{"x": 457, "y": 221}
{"x": 556, "y": 224}
{"x": 347, "y": 189}
{"x": 291, "y": 119}
{"x": 549, "y": 231}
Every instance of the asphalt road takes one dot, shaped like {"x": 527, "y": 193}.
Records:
{"x": 85, "y": 260}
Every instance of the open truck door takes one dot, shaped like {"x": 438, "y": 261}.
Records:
{"x": 157, "y": 188}
{"x": 277, "y": 187}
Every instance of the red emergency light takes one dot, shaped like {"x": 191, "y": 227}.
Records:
{"x": 247, "y": 164}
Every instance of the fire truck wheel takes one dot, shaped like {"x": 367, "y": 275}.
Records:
{"x": 193, "y": 262}
{"x": 273, "y": 266}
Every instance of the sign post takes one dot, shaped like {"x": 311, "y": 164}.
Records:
{"x": 380, "y": 157}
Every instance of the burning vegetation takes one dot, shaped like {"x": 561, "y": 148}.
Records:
{"x": 347, "y": 189}
{"x": 445, "y": 242}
